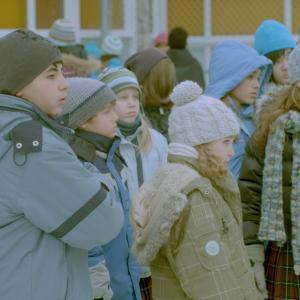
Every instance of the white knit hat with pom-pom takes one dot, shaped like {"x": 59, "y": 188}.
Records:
{"x": 198, "y": 119}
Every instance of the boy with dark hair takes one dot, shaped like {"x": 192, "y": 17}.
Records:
{"x": 48, "y": 220}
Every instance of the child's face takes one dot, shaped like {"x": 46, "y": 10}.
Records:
{"x": 48, "y": 91}
{"x": 223, "y": 148}
{"x": 245, "y": 92}
{"x": 104, "y": 122}
{"x": 128, "y": 105}
{"x": 280, "y": 68}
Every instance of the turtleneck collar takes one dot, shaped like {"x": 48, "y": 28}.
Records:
{"x": 102, "y": 143}
{"x": 129, "y": 129}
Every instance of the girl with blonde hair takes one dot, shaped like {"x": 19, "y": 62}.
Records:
{"x": 143, "y": 148}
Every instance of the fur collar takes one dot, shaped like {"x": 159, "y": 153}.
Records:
{"x": 158, "y": 206}
{"x": 81, "y": 65}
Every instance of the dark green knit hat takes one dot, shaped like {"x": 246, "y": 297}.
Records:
{"x": 23, "y": 56}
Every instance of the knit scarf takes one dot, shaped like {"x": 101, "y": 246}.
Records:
{"x": 272, "y": 217}
{"x": 128, "y": 129}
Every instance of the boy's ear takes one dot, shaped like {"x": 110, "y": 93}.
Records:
{"x": 19, "y": 94}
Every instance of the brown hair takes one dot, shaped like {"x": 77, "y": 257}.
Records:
{"x": 275, "y": 56}
{"x": 159, "y": 83}
{"x": 288, "y": 98}
{"x": 209, "y": 164}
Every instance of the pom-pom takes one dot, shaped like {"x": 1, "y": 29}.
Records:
{"x": 185, "y": 92}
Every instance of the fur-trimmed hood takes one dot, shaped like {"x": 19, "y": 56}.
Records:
{"x": 153, "y": 215}
{"x": 81, "y": 65}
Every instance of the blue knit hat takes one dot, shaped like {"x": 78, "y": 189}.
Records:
{"x": 272, "y": 36}
{"x": 230, "y": 63}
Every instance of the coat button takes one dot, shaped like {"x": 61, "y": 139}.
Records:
{"x": 212, "y": 248}
{"x": 35, "y": 143}
{"x": 19, "y": 145}
{"x": 206, "y": 192}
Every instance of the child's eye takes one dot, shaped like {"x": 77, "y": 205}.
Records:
{"x": 51, "y": 76}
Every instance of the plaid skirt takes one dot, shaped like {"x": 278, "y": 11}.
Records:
{"x": 146, "y": 288}
{"x": 282, "y": 283}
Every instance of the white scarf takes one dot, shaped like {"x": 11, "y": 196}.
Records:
{"x": 183, "y": 150}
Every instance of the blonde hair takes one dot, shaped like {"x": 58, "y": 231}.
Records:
{"x": 146, "y": 141}
{"x": 159, "y": 83}
{"x": 209, "y": 164}
{"x": 285, "y": 100}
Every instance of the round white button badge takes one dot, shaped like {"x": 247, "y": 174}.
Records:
{"x": 19, "y": 145}
{"x": 212, "y": 248}
{"x": 35, "y": 143}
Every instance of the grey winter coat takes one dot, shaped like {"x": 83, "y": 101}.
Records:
{"x": 52, "y": 210}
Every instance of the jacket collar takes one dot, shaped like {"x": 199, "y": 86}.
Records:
{"x": 16, "y": 104}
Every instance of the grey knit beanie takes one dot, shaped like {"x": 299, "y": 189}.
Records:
{"x": 197, "y": 119}
{"x": 24, "y": 55}
{"x": 62, "y": 33}
{"x": 294, "y": 65}
{"x": 143, "y": 61}
{"x": 86, "y": 97}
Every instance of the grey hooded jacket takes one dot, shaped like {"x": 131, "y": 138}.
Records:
{"x": 52, "y": 210}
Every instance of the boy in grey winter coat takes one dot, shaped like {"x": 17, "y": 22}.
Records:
{"x": 52, "y": 209}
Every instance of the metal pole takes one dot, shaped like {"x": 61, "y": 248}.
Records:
{"x": 105, "y": 25}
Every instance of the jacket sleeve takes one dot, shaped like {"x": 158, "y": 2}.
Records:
{"x": 99, "y": 274}
{"x": 63, "y": 198}
{"x": 250, "y": 184}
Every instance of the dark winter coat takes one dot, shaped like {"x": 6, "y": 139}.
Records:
{"x": 187, "y": 67}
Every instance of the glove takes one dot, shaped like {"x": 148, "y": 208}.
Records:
{"x": 100, "y": 280}
{"x": 256, "y": 255}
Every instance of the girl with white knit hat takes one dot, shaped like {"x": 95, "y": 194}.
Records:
{"x": 187, "y": 218}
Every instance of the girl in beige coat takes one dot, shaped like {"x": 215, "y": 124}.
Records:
{"x": 188, "y": 217}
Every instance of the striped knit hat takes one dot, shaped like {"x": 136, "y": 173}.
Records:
{"x": 112, "y": 45}
{"x": 62, "y": 33}
{"x": 85, "y": 98}
{"x": 119, "y": 78}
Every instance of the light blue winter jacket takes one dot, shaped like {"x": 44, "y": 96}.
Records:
{"x": 151, "y": 160}
{"x": 50, "y": 213}
{"x": 231, "y": 62}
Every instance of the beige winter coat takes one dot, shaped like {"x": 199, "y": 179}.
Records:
{"x": 189, "y": 228}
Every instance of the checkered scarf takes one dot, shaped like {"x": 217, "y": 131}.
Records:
{"x": 272, "y": 218}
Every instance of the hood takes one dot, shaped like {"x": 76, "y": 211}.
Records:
{"x": 181, "y": 57}
{"x": 158, "y": 206}
{"x": 81, "y": 65}
{"x": 264, "y": 81}
{"x": 231, "y": 62}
